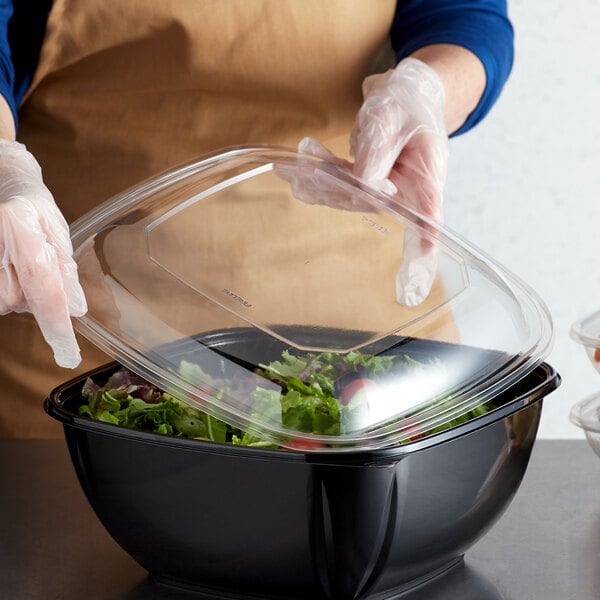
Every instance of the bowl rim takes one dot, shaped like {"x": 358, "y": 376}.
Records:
{"x": 549, "y": 380}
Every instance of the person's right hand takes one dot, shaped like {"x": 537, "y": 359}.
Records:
{"x": 37, "y": 271}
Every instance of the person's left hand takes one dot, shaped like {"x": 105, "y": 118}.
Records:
{"x": 400, "y": 146}
{"x": 312, "y": 184}
{"x": 400, "y": 138}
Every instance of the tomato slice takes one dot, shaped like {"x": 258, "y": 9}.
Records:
{"x": 354, "y": 387}
{"x": 411, "y": 434}
{"x": 296, "y": 444}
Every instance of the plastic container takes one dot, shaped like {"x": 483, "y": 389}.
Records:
{"x": 586, "y": 332}
{"x": 586, "y": 414}
{"x": 227, "y": 264}
{"x": 235, "y": 522}
{"x": 301, "y": 252}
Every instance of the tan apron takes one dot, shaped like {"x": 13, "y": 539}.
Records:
{"x": 126, "y": 89}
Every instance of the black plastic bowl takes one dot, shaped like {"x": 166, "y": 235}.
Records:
{"x": 238, "y": 522}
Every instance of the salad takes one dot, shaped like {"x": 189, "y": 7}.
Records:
{"x": 319, "y": 393}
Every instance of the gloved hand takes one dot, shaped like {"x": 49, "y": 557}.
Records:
{"x": 312, "y": 185}
{"x": 37, "y": 271}
{"x": 400, "y": 146}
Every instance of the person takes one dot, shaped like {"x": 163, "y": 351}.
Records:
{"x": 96, "y": 96}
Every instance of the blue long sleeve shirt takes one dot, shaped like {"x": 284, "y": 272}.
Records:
{"x": 482, "y": 26}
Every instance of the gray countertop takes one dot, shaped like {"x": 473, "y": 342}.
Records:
{"x": 545, "y": 547}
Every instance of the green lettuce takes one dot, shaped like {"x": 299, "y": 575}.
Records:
{"x": 305, "y": 400}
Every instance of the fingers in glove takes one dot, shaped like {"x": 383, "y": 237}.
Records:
{"x": 67, "y": 266}
{"x": 419, "y": 176}
{"x": 37, "y": 269}
{"x": 417, "y": 273}
{"x": 315, "y": 148}
{"x": 11, "y": 294}
{"x": 311, "y": 183}
{"x": 48, "y": 304}
{"x": 25, "y": 199}
{"x": 56, "y": 232}
{"x": 12, "y": 299}
{"x": 376, "y": 140}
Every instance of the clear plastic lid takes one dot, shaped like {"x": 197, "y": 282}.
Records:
{"x": 586, "y": 414}
{"x": 261, "y": 286}
{"x": 586, "y": 331}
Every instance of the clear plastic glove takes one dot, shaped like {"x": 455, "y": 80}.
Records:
{"x": 400, "y": 146}
{"x": 312, "y": 185}
{"x": 37, "y": 271}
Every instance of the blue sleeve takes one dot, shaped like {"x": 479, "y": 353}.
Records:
{"x": 22, "y": 29}
{"x": 481, "y": 26}
{"x": 7, "y": 71}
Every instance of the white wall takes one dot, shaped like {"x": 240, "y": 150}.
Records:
{"x": 524, "y": 186}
